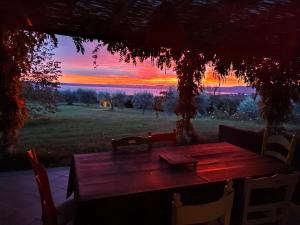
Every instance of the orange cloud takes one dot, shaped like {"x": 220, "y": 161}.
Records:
{"x": 119, "y": 80}
{"x": 212, "y": 79}
{"x": 159, "y": 79}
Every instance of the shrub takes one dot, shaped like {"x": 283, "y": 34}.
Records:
{"x": 248, "y": 108}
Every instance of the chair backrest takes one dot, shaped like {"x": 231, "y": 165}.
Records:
{"x": 279, "y": 140}
{"x": 163, "y": 137}
{"x": 266, "y": 199}
{"x": 49, "y": 214}
{"x": 126, "y": 142}
{"x": 32, "y": 156}
{"x": 195, "y": 214}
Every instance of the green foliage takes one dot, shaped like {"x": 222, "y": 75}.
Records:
{"x": 248, "y": 108}
{"x": 224, "y": 106}
{"x": 25, "y": 57}
{"x": 277, "y": 82}
{"x": 190, "y": 68}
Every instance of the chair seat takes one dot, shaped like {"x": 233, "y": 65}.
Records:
{"x": 66, "y": 212}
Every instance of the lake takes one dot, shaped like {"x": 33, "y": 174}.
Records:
{"x": 155, "y": 90}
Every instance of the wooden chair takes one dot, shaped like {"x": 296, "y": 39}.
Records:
{"x": 266, "y": 199}
{"x": 51, "y": 215}
{"x": 281, "y": 142}
{"x": 163, "y": 137}
{"x": 195, "y": 214}
{"x": 127, "y": 143}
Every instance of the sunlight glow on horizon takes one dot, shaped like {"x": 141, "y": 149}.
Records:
{"x": 78, "y": 69}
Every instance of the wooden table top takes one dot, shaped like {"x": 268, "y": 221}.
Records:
{"x": 103, "y": 175}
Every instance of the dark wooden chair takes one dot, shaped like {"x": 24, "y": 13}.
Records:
{"x": 51, "y": 215}
{"x": 130, "y": 144}
{"x": 163, "y": 137}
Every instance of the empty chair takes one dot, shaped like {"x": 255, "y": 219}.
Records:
{"x": 266, "y": 199}
{"x": 51, "y": 215}
{"x": 131, "y": 144}
{"x": 203, "y": 213}
{"x": 279, "y": 147}
{"x": 163, "y": 137}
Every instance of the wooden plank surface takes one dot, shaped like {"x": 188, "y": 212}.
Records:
{"x": 103, "y": 175}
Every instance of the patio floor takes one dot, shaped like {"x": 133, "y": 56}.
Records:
{"x": 20, "y": 200}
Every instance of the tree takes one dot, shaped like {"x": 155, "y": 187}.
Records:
{"x": 119, "y": 99}
{"x": 249, "y": 107}
{"x": 143, "y": 101}
{"x": 170, "y": 100}
{"x": 277, "y": 83}
{"x": 69, "y": 96}
{"x": 202, "y": 103}
{"x": 87, "y": 96}
{"x": 25, "y": 56}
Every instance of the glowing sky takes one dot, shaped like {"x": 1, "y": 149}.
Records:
{"x": 78, "y": 68}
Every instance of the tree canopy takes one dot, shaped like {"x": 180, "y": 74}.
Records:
{"x": 26, "y": 60}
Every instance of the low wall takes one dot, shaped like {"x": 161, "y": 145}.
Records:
{"x": 253, "y": 141}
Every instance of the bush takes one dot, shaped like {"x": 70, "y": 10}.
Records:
{"x": 248, "y": 109}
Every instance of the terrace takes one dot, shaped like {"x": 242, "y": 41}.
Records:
{"x": 258, "y": 40}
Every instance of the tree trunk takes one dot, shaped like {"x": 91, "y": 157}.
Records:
{"x": 111, "y": 105}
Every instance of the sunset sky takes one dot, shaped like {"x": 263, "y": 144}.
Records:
{"x": 78, "y": 68}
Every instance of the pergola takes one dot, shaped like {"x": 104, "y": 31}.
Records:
{"x": 224, "y": 29}
{"x": 247, "y": 27}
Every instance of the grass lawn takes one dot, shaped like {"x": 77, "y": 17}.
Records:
{"x": 78, "y": 129}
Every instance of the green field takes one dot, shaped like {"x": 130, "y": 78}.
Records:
{"x": 77, "y": 129}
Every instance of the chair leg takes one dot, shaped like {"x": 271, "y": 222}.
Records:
{"x": 227, "y": 217}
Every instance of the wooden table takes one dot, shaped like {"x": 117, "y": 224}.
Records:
{"x": 99, "y": 176}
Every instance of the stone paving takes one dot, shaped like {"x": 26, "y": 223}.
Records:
{"x": 19, "y": 196}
